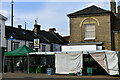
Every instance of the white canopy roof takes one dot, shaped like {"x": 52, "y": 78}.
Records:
{"x": 83, "y": 52}
{"x": 42, "y": 53}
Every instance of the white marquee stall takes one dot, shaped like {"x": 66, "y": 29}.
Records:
{"x": 72, "y": 62}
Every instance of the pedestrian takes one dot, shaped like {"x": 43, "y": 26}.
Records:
{"x": 18, "y": 65}
{"x": 21, "y": 65}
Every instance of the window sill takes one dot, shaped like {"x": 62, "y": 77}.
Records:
{"x": 89, "y": 39}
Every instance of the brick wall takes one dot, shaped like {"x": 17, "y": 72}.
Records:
{"x": 103, "y": 30}
{"x": 117, "y": 41}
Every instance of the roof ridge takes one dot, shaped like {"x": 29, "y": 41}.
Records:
{"x": 17, "y": 28}
{"x": 93, "y": 9}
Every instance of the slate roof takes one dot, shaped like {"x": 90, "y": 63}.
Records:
{"x": 67, "y": 38}
{"x": 89, "y": 11}
{"x": 44, "y": 36}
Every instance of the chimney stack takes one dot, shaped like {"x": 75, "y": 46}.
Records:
{"x": 52, "y": 29}
{"x": 113, "y": 6}
{"x": 118, "y": 7}
{"x": 19, "y": 26}
{"x": 36, "y": 28}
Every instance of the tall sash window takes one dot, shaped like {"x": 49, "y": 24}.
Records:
{"x": 89, "y": 31}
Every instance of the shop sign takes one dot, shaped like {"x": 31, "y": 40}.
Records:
{"x": 36, "y": 43}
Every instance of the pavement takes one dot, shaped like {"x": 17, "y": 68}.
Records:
{"x": 34, "y": 76}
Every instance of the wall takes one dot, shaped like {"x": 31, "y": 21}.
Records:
{"x": 103, "y": 30}
{"x": 56, "y": 47}
{"x": 117, "y": 41}
{"x": 1, "y": 62}
{"x": 47, "y": 49}
{"x": 21, "y": 43}
{"x": 2, "y": 39}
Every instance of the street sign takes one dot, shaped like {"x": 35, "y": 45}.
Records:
{"x": 11, "y": 38}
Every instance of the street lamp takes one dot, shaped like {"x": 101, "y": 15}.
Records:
{"x": 11, "y": 38}
{"x": 12, "y": 3}
{"x": 25, "y": 33}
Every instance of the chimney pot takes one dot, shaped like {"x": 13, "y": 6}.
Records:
{"x": 19, "y": 26}
{"x": 113, "y": 6}
{"x": 118, "y": 7}
{"x": 36, "y": 29}
{"x": 52, "y": 29}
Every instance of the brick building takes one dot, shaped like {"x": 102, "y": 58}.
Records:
{"x": 96, "y": 26}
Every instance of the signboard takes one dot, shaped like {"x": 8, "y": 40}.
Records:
{"x": 36, "y": 43}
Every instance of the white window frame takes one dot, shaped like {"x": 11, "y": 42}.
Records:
{"x": 43, "y": 48}
{"x": 86, "y": 36}
{"x": 16, "y": 45}
{"x": 31, "y": 45}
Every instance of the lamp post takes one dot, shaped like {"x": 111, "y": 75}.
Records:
{"x": 12, "y": 3}
{"x": 25, "y": 33}
{"x": 11, "y": 38}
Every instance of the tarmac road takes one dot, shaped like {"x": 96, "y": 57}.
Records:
{"x": 25, "y": 76}
{"x": 60, "y": 79}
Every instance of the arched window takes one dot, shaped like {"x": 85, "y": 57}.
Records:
{"x": 89, "y": 27}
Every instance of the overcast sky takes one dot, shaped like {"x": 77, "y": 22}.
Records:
{"x": 49, "y": 13}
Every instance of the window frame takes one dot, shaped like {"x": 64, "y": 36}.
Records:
{"x": 90, "y": 31}
{"x": 43, "y": 48}
{"x": 14, "y": 43}
{"x": 31, "y": 45}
